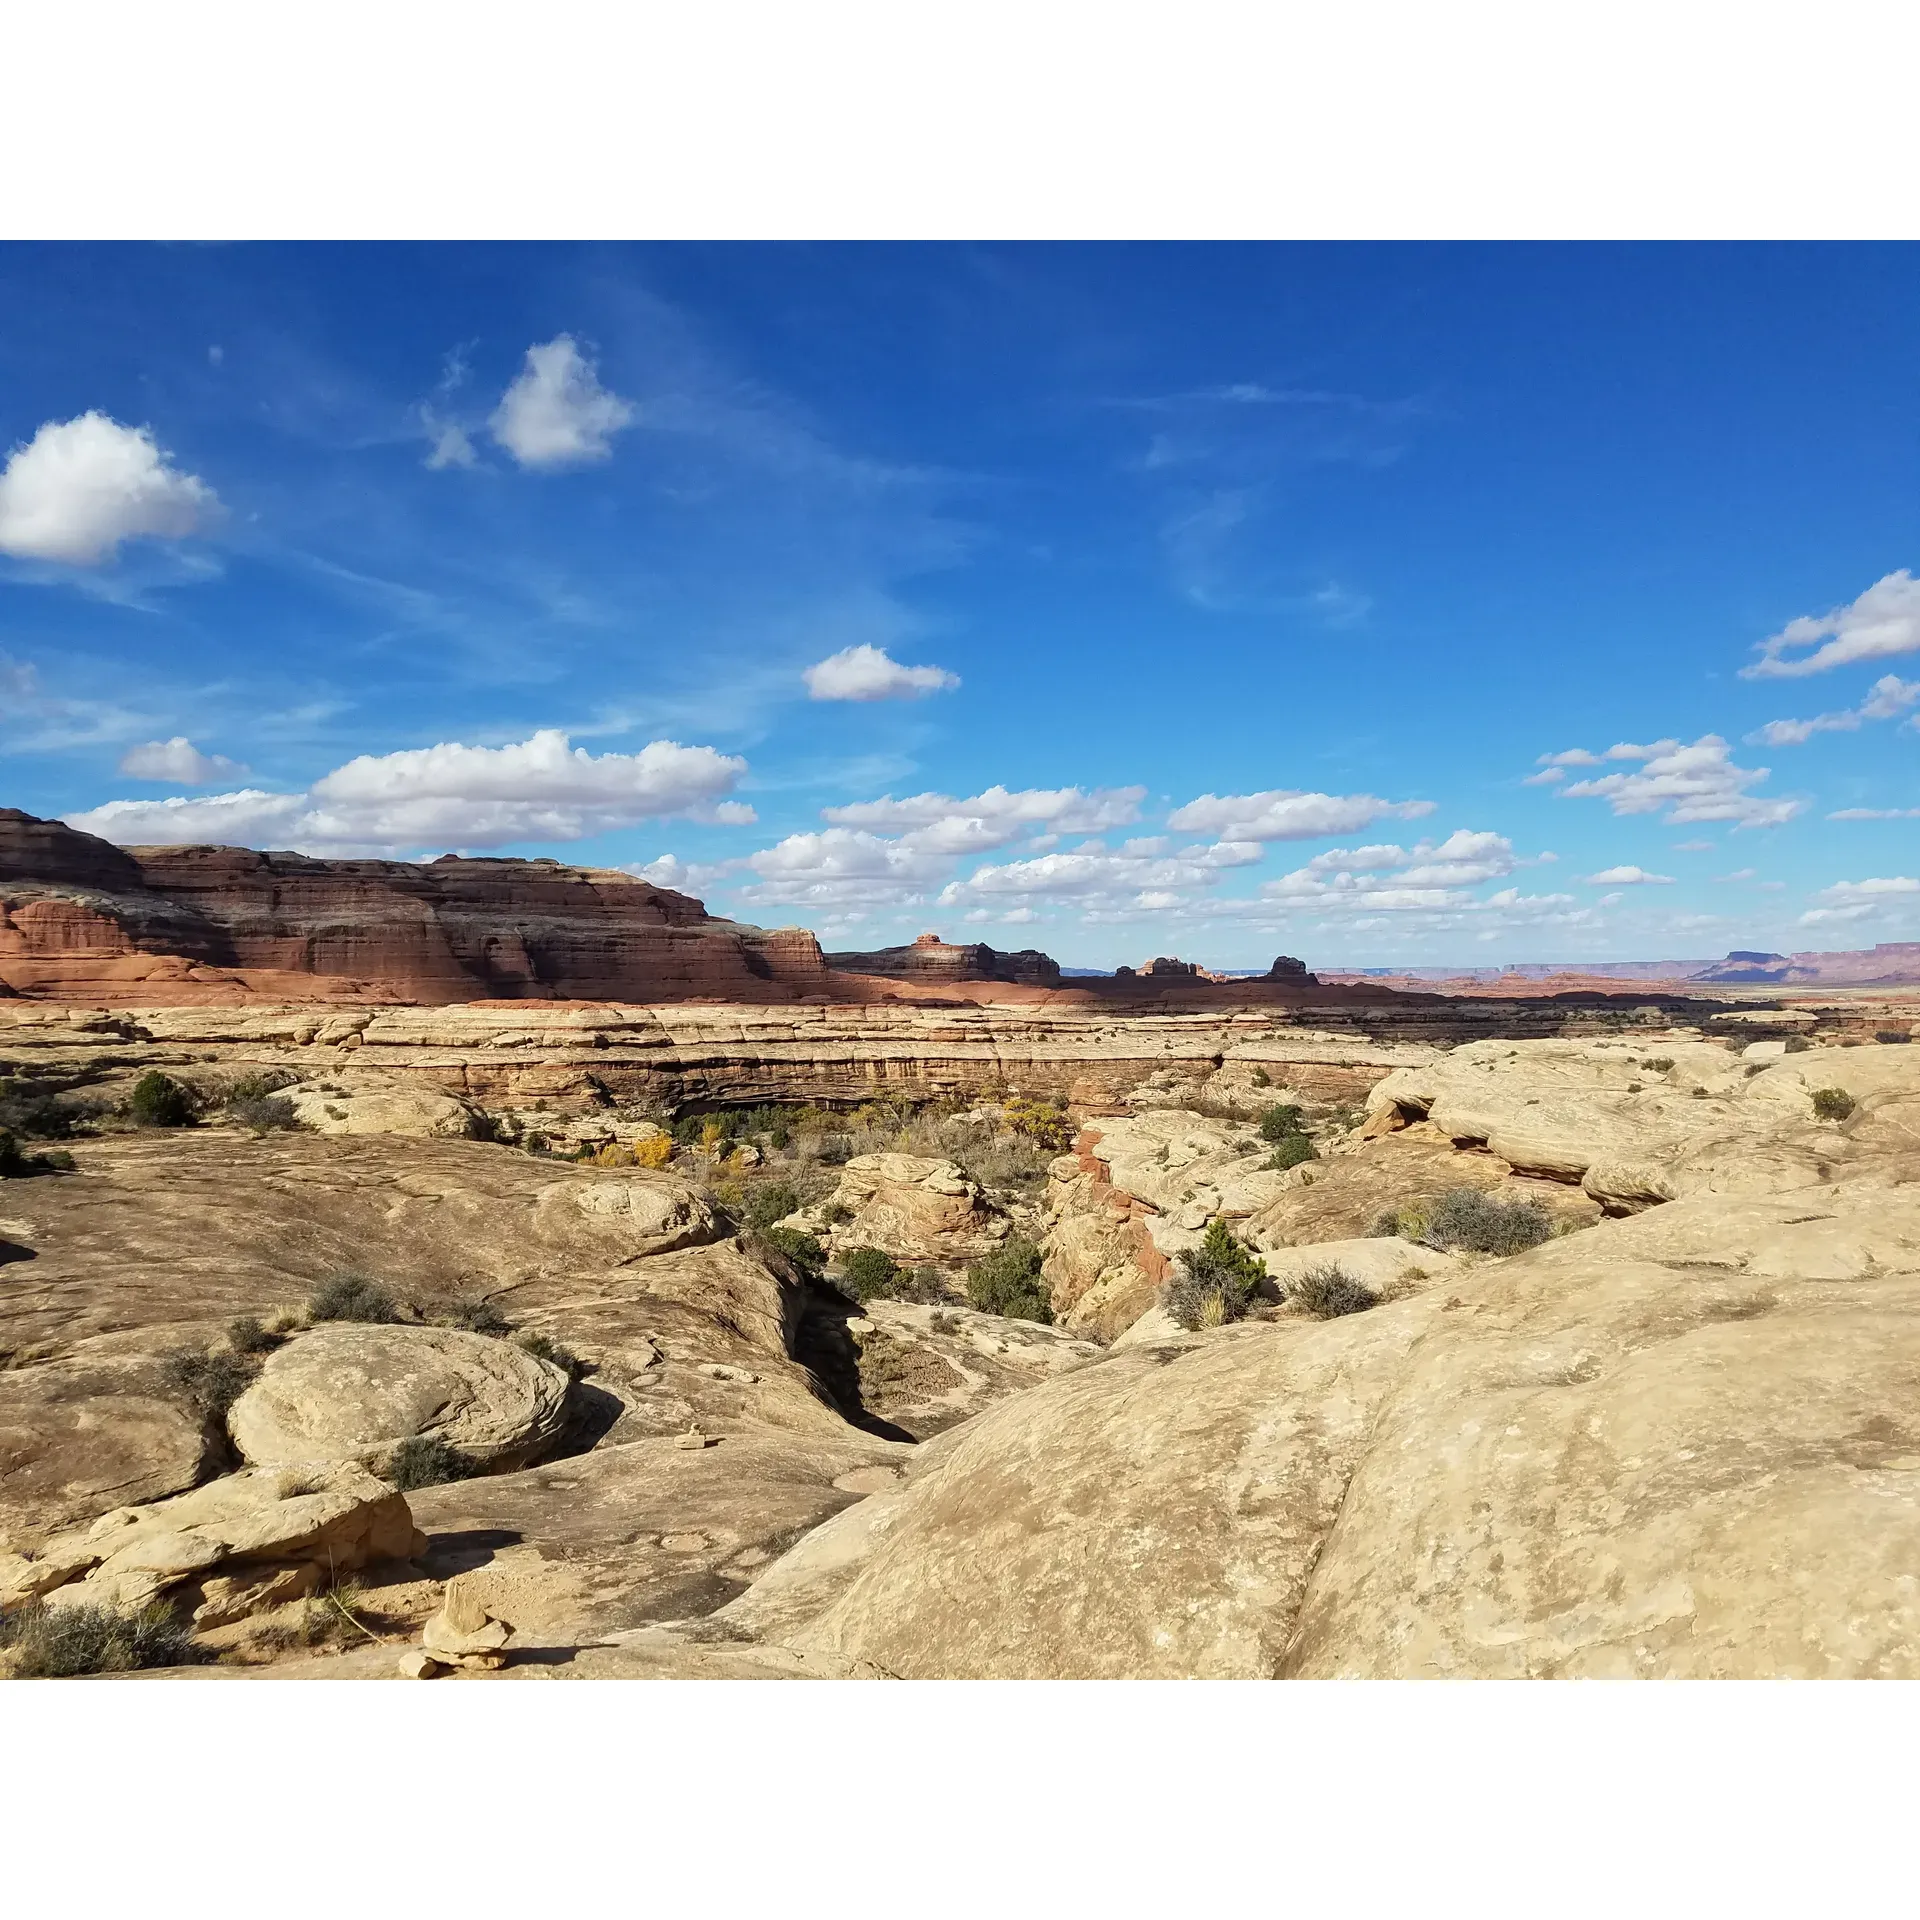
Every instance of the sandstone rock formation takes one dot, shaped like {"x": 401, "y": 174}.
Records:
{"x": 264, "y": 1535}
{"x": 187, "y": 925}
{"x": 931, "y": 960}
{"x": 348, "y": 1392}
{"x": 919, "y": 1210}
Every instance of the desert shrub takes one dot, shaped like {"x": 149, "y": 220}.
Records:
{"x": 57, "y": 1643}
{"x": 802, "y": 1249}
{"x": 1261, "y": 1077}
{"x": 159, "y": 1101}
{"x": 262, "y": 1085}
{"x": 771, "y": 1200}
{"x": 1893, "y": 1037}
{"x": 16, "y": 1163}
{"x": 836, "y": 1213}
{"x": 1281, "y": 1121}
{"x": 209, "y": 1383}
{"x": 1327, "y": 1291}
{"x": 1798, "y": 1043}
{"x": 549, "y": 1350}
{"x": 426, "y": 1460}
{"x": 266, "y": 1114}
{"x": 654, "y": 1151}
{"x": 1009, "y": 1161}
{"x": 1832, "y": 1103}
{"x": 1216, "y": 1282}
{"x": 352, "y": 1296}
{"x": 472, "y": 1316}
{"x": 1041, "y": 1122}
{"x": 1467, "y": 1219}
{"x": 869, "y": 1274}
{"x": 247, "y": 1335}
{"x": 26, "y": 1111}
{"x": 1010, "y": 1282}
{"x": 835, "y": 1150}
{"x": 923, "y": 1286}
{"x": 1658, "y": 1066}
{"x": 1290, "y": 1152}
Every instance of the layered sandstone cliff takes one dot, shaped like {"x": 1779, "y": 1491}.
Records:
{"x": 81, "y": 919}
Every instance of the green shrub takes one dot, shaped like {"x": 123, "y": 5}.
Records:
{"x": 56, "y": 1643}
{"x": 1291, "y": 1151}
{"x": 266, "y": 1114}
{"x": 868, "y": 1274}
{"x": 352, "y": 1296}
{"x": 836, "y": 1213}
{"x": 209, "y": 1383}
{"x": 836, "y": 1149}
{"x": 247, "y": 1335}
{"x": 1010, "y": 1282}
{"x": 923, "y": 1286}
{"x": 1261, "y": 1077}
{"x": 802, "y": 1249}
{"x": 17, "y": 1164}
{"x": 1328, "y": 1291}
{"x": 551, "y": 1351}
{"x": 473, "y": 1316}
{"x": 26, "y": 1111}
{"x": 771, "y": 1200}
{"x": 426, "y": 1460}
{"x": 1216, "y": 1282}
{"x": 1041, "y": 1122}
{"x": 1467, "y": 1219}
{"x": 158, "y": 1101}
{"x": 1832, "y": 1103}
{"x": 1280, "y": 1122}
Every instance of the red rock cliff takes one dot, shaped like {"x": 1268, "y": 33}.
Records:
{"x": 170, "y": 924}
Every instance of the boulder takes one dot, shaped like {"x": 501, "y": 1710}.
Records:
{"x": 236, "y": 1536}
{"x": 353, "y": 1392}
{"x": 917, "y": 1209}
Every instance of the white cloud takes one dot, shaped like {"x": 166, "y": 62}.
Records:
{"x": 445, "y": 796}
{"x": 1288, "y": 814}
{"x": 1689, "y": 783}
{"x": 1546, "y": 777}
{"x": 868, "y": 673}
{"x": 179, "y": 761}
{"x": 994, "y": 818}
{"x": 1887, "y": 699}
{"x": 1885, "y": 620}
{"x": 82, "y": 486}
{"x": 1628, "y": 877}
{"x": 1432, "y": 877}
{"x": 1876, "y": 813}
{"x": 669, "y": 870}
{"x": 1815, "y": 916}
{"x": 842, "y": 866}
{"x": 449, "y": 445}
{"x": 1741, "y": 873}
{"x": 1573, "y": 757}
{"x": 556, "y": 413}
{"x": 244, "y": 819}
{"x": 1843, "y": 892}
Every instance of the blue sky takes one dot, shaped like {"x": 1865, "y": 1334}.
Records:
{"x": 1370, "y": 603}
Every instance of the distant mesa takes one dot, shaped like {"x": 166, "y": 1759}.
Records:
{"x": 931, "y": 960}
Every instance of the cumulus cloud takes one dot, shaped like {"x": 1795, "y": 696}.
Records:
{"x": 1288, "y": 814}
{"x": 984, "y": 821}
{"x": 1876, "y": 813}
{"x": 1628, "y": 877}
{"x": 556, "y": 413}
{"x": 1432, "y": 877}
{"x": 1885, "y": 620}
{"x": 80, "y": 487}
{"x": 842, "y": 867}
{"x": 868, "y": 673}
{"x": 1887, "y": 699}
{"x": 178, "y": 760}
{"x": 1687, "y": 783}
{"x": 1140, "y": 876}
{"x": 1816, "y": 916}
{"x": 542, "y": 788}
{"x": 1846, "y": 892}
